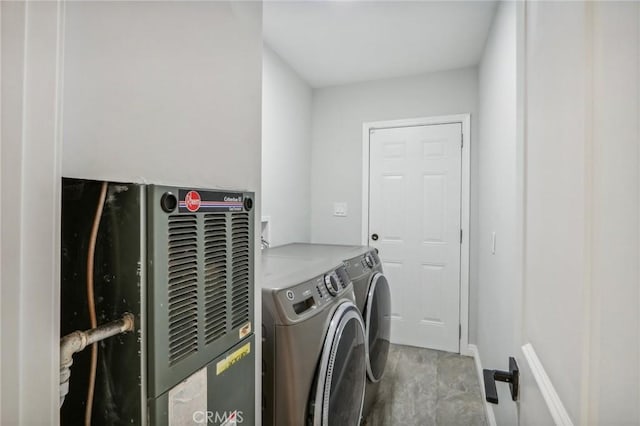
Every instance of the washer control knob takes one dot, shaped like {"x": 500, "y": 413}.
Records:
{"x": 290, "y": 295}
{"x": 332, "y": 284}
{"x": 369, "y": 260}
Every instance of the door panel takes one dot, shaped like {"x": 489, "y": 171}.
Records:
{"x": 415, "y": 187}
{"x": 392, "y": 190}
{"x": 434, "y": 194}
{"x": 431, "y": 293}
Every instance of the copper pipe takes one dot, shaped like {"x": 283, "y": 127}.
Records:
{"x": 91, "y": 301}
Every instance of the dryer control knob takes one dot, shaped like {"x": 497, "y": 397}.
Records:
{"x": 369, "y": 260}
{"x": 332, "y": 284}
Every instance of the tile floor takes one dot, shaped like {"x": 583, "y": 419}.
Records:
{"x": 424, "y": 387}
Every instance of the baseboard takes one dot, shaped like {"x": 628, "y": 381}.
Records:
{"x": 488, "y": 408}
{"x": 551, "y": 398}
{"x": 465, "y": 350}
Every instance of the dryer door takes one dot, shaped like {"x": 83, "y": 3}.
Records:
{"x": 377, "y": 314}
{"x": 341, "y": 377}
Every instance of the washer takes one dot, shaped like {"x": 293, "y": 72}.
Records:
{"x": 314, "y": 359}
{"x": 372, "y": 295}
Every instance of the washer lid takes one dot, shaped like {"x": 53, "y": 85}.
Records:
{"x": 377, "y": 313}
{"x": 340, "y": 384}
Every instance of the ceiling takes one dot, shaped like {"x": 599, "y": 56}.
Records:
{"x": 338, "y": 42}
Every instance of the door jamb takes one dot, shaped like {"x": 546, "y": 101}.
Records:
{"x": 465, "y": 120}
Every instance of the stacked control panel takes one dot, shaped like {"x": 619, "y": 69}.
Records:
{"x": 303, "y": 300}
{"x": 369, "y": 260}
{"x": 363, "y": 264}
{"x": 360, "y": 270}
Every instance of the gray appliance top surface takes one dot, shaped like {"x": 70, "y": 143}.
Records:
{"x": 280, "y": 272}
{"x": 333, "y": 252}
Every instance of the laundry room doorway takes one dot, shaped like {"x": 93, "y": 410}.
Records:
{"x": 416, "y": 213}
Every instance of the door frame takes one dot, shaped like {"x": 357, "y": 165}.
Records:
{"x": 465, "y": 120}
{"x": 30, "y": 206}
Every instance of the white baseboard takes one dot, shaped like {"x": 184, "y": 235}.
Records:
{"x": 488, "y": 408}
{"x": 466, "y": 349}
{"x": 551, "y": 398}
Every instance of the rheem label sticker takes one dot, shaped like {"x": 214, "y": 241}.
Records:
{"x": 201, "y": 201}
{"x": 192, "y": 201}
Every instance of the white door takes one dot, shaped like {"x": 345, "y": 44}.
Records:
{"x": 414, "y": 221}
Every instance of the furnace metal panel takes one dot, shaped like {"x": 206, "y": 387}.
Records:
{"x": 201, "y": 281}
{"x": 225, "y": 392}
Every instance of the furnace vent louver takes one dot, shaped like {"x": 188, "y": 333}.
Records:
{"x": 183, "y": 287}
{"x": 240, "y": 269}
{"x": 200, "y": 254}
{"x": 215, "y": 276}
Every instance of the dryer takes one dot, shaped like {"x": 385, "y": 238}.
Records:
{"x": 314, "y": 370}
{"x": 372, "y": 297}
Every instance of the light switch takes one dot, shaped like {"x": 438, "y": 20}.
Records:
{"x": 340, "y": 209}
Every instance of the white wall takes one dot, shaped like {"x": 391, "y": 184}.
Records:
{"x": 615, "y": 243}
{"x": 164, "y": 92}
{"x": 581, "y": 292}
{"x": 557, "y": 209}
{"x": 497, "y": 282}
{"x": 286, "y": 151}
{"x": 336, "y": 153}
{"x": 153, "y": 92}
